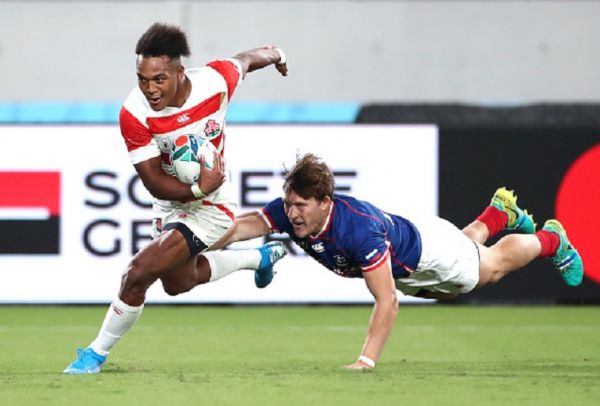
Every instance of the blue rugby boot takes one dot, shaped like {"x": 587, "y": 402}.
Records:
{"x": 270, "y": 253}
{"x": 88, "y": 362}
{"x": 567, "y": 260}
{"x": 519, "y": 220}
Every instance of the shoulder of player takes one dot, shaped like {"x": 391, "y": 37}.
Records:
{"x": 136, "y": 105}
{"x": 205, "y": 80}
{"x": 348, "y": 207}
{"x": 350, "y": 217}
{"x": 275, "y": 205}
{"x": 211, "y": 67}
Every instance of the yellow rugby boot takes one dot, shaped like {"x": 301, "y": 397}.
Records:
{"x": 518, "y": 219}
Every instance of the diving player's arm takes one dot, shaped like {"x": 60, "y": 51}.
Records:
{"x": 162, "y": 186}
{"x": 381, "y": 284}
{"x": 245, "y": 227}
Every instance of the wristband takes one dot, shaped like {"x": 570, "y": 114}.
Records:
{"x": 282, "y": 57}
{"x": 198, "y": 194}
{"x": 366, "y": 360}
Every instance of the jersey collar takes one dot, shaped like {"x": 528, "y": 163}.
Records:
{"x": 327, "y": 224}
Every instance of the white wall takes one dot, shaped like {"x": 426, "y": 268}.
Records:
{"x": 101, "y": 219}
{"x": 465, "y": 51}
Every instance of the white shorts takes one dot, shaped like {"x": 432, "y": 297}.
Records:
{"x": 449, "y": 260}
{"x": 208, "y": 219}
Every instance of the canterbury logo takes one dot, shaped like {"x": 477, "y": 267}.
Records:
{"x": 183, "y": 118}
{"x": 117, "y": 310}
{"x": 318, "y": 247}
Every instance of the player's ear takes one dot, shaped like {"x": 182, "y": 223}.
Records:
{"x": 325, "y": 202}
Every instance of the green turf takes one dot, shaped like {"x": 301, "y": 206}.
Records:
{"x": 437, "y": 355}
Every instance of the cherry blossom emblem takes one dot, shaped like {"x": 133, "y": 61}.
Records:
{"x": 212, "y": 128}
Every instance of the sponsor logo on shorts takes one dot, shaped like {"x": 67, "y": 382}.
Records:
{"x": 197, "y": 241}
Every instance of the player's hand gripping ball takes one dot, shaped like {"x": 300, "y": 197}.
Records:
{"x": 185, "y": 157}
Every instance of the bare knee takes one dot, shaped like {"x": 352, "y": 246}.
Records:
{"x": 139, "y": 276}
{"x": 153, "y": 262}
{"x": 493, "y": 268}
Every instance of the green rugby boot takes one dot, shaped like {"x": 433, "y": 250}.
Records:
{"x": 567, "y": 260}
{"x": 519, "y": 220}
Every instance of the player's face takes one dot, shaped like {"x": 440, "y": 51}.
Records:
{"x": 161, "y": 80}
{"x": 307, "y": 216}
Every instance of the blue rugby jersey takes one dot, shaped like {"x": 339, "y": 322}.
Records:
{"x": 358, "y": 238}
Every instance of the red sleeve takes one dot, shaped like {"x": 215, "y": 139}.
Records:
{"x": 377, "y": 261}
{"x": 134, "y": 133}
{"x": 229, "y": 72}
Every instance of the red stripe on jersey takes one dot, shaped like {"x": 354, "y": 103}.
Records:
{"x": 134, "y": 132}
{"x": 162, "y": 125}
{"x": 268, "y": 217}
{"x": 217, "y": 141}
{"x": 377, "y": 263}
{"x": 229, "y": 73}
{"x": 221, "y": 207}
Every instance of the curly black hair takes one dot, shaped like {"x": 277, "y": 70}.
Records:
{"x": 163, "y": 39}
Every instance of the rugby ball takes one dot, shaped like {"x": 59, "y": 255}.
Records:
{"x": 185, "y": 157}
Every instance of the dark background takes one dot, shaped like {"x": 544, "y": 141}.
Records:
{"x": 528, "y": 149}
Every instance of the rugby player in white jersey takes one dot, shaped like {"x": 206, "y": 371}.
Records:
{"x": 168, "y": 102}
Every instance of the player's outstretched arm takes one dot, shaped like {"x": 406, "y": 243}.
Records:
{"x": 261, "y": 57}
{"x": 381, "y": 284}
{"x": 245, "y": 227}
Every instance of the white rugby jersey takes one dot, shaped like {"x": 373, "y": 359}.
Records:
{"x": 150, "y": 133}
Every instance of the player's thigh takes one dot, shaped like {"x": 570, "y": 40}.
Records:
{"x": 165, "y": 252}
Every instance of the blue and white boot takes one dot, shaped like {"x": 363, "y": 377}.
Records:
{"x": 88, "y": 362}
{"x": 270, "y": 253}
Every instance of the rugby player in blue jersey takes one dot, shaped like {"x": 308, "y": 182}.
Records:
{"x": 427, "y": 257}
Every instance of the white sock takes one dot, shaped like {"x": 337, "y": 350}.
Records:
{"x": 223, "y": 263}
{"x": 119, "y": 319}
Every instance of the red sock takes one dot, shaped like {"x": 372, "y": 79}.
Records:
{"x": 494, "y": 219}
{"x": 550, "y": 242}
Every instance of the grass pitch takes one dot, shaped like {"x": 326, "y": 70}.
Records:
{"x": 449, "y": 355}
